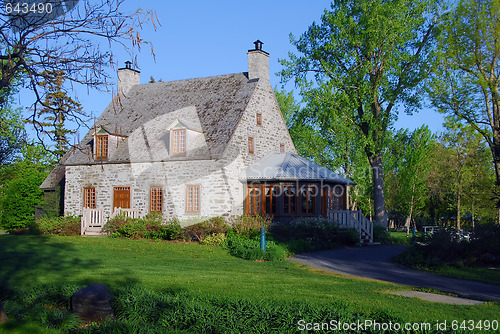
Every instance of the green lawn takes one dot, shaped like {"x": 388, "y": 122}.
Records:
{"x": 29, "y": 261}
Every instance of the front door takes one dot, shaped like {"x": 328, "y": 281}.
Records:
{"x": 121, "y": 197}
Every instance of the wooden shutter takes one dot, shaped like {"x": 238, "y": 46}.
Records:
{"x": 121, "y": 197}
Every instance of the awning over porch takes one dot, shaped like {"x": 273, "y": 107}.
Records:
{"x": 290, "y": 167}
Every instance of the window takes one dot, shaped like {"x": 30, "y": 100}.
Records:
{"x": 308, "y": 200}
{"x": 282, "y": 148}
{"x": 178, "y": 141}
{"x": 192, "y": 199}
{"x": 250, "y": 145}
{"x": 89, "y": 198}
{"x": 289, "y": 200}
{"x": 337, "y": 198}
{"x": 253, "y": 200}
{"x": 156, "y": 199}
{"x": 259, "y": 119}
{"x": 121, "y": 197}
{"x": 270, "y": 199}
{"x": 101, "y": 150}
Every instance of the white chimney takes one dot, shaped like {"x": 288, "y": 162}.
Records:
{"x": 127, "y": 77}
{"x": 258, "y": 63}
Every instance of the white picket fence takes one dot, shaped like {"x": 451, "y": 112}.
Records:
{"x": 93, "y": 220}
{"x": 353, "y": 219}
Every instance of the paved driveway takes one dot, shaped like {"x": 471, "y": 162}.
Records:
{"x": 374, "y": 262}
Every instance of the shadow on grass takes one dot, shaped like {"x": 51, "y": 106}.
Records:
{"x": 27, "y": 261}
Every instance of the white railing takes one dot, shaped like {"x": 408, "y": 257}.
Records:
{"x": 95, "y": 219}
{"x": 129, "y": 213}
{"x": 91, "y": 218}
{"x": 352, "y": 219}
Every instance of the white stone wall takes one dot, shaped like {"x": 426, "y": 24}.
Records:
{"x": 172, "y": 176}
{"x": 267, "y": 139}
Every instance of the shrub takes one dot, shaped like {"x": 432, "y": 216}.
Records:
{"x": 380, "y": 234}
{"x": 249, "y": 226}
{"x": 249, "y": 249}
{"x": 446, "y": 247}
{"x": 123, "y": 226}
{"x": 303, "y": 235}
{"x": 69, "y": 225}
{"x": 214, "y": 225}
{"x": 20, "y": 196}
{"x": 151, "y": 226}
{"x": 214, "y": 239}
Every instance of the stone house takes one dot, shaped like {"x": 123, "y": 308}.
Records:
{"x": 214, "y": 146}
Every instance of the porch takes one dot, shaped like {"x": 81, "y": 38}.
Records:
{"x": 353, "y": 219}
{"x": 93, "y": 220}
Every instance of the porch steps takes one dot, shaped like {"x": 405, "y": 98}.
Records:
{"x": 94, "y": 232}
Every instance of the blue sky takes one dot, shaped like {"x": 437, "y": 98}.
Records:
{"x": 205, "y": 38}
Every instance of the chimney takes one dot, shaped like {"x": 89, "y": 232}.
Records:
{"x": 127, "y": 77}
{"x": 258, "y": 63}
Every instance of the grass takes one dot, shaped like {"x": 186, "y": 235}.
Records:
{"x": 206, "y": 272}
{"x": 486, "y": 275}
{"x": 401, "y": 238}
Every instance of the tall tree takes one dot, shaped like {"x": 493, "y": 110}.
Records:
{"x": 332, "y": 144}
{"x": 51, "y": 118}
{"x": 466, "y": 162}
{"x": 69, "y": 36}
{"x": 466, "y": 79}
{"x": 366, "y": 57}
{"x": 407, "y": 165}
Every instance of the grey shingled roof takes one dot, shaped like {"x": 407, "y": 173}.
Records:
{"x": 53, "y": 180}
{"x": 219, "y": 101}
{"x": 290, "y": 167}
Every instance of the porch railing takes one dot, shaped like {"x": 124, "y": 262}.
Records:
{"x": 93, "y": 218}
{"x": 353, "y": 219}
{"x": 129, "y": 213}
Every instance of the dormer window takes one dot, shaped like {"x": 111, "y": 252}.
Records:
{"x": 179, "y": 141}
{"x": 101, "y": 150}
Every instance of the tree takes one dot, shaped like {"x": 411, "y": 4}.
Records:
{"x": 407, "y": 164}
{"x": 21, "y": 192}
{"x": 38, "y": 45}
{"x": 466, "y": 79}
{"x": 366, "y": 57}
{"x": 11, "y": 134}
{"x": 467, "y": 163}
{"x": 58, "y": 105}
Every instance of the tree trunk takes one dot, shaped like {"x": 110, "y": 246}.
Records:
{"x": 473, "y": 223}
{"x": 459, "y": 197}
{"x": 378, "y": 190}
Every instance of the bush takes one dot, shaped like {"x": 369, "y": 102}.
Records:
{"x": 249, "y": 249}
{"x": 214, "y": 225}
{"x": 214, "y": 239}
{"x": 20, "y": 196}
{"x": 380, "y": 234}
{"x": 249, "y": 226}
{"x": 446, "y": 247}
{"x": 304, "y": 235}
{"x": 151, "y": 226}
{"x": 69, "y": 225}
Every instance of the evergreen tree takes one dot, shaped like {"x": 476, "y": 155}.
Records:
{"x": 54, "y": 112}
